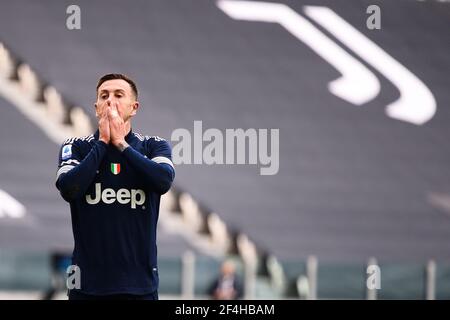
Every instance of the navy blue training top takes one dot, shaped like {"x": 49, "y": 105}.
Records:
{"x": 114, "y": 202}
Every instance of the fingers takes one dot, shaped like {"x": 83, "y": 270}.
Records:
{"x": 112, "y": 112}
{"x": 104, "y": 128}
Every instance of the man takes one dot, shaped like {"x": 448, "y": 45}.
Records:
{"x": 228, "y": 285}
{"x": 113, "y": 181}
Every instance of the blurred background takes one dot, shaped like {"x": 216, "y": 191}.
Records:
{"x": 361, "y": 102}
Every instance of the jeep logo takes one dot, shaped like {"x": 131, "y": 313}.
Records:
{"x": 123, "y": 196}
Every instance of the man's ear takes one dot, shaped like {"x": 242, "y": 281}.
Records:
{"x": 96, "y": 110}
{"x": 135, "y": 108}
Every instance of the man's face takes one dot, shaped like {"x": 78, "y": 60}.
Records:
{"x": 116, "y": 92}
{"x": 227, "y": 268}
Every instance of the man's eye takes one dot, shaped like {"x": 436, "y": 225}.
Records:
{"x": 118, "y": 95}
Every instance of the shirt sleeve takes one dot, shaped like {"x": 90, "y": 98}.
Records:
{"x": 156, "y": 166}
{"x": 75, "y": 172}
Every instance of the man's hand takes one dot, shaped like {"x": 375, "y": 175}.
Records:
{"x": 117, "y": 128}
{"x": 103, "y": 128}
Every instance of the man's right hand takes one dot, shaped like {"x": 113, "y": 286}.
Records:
{"x": 103, "y": 128}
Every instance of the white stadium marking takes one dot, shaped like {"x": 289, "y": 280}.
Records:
{"x": 357, "y": 85}
{"x": 10, "y": 207}
{"x": 416, "y": 103}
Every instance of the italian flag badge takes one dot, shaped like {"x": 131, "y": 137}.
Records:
{"x": 115, "y": 168}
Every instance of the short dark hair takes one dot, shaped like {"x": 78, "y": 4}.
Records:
{"x": 113, "y": 76}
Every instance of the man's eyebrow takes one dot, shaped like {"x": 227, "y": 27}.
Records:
{"x": 106, "y": 91}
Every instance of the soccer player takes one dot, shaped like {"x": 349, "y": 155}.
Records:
{"x": 113, "y": 181}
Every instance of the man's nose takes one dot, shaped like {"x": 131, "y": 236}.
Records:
{"x": 110, "y": 101}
